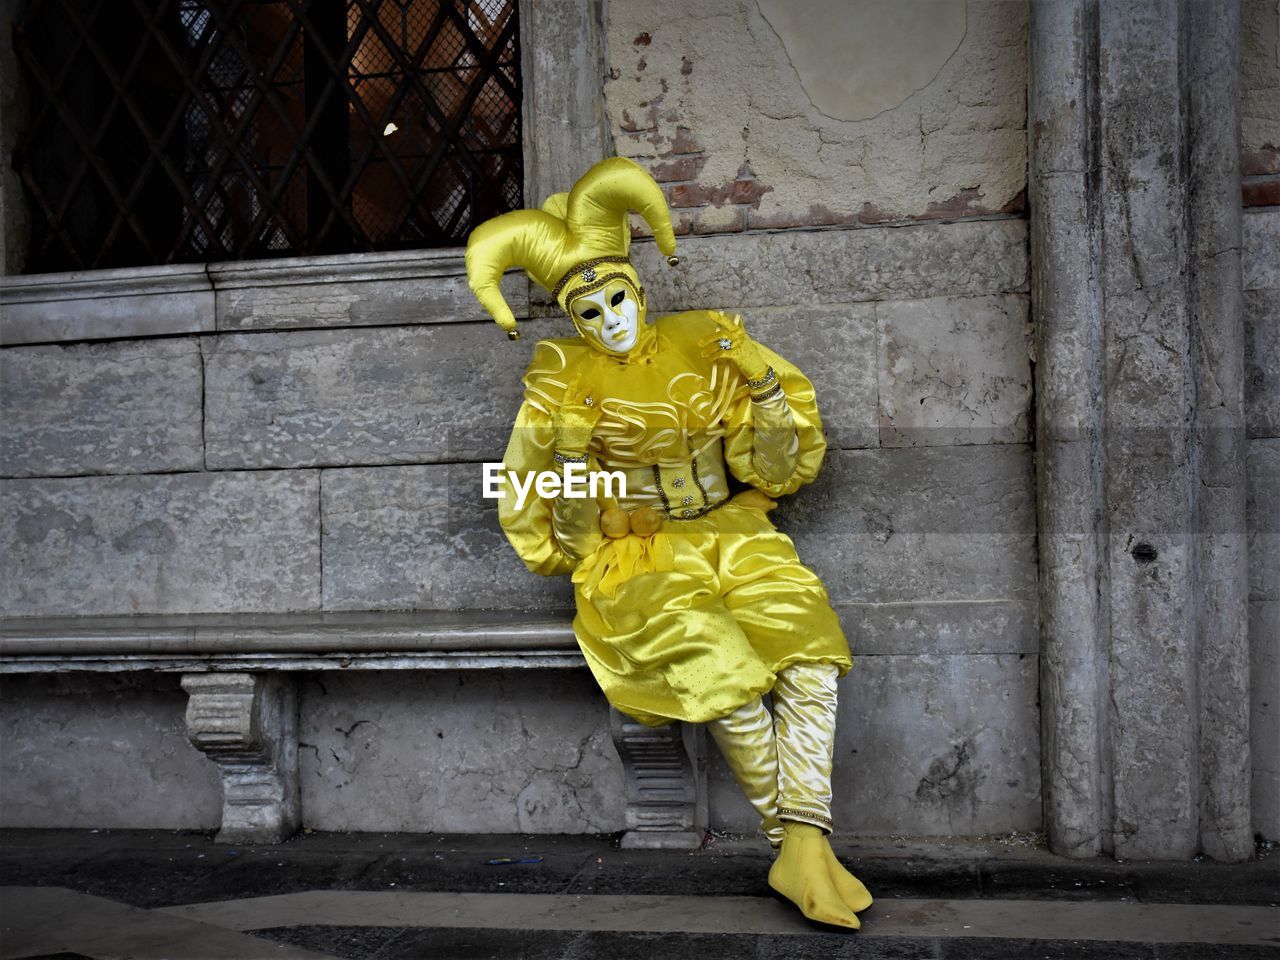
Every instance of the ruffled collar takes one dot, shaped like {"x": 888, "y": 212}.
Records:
{"x": 643, "y": 351}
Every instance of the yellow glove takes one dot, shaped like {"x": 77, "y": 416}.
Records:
{"x": 575, "y": 422}
{"x": 732, "y": 342}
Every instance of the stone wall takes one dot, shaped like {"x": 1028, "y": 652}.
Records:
{"x": 769, "y": 114}
{"x": 432, "y": 751}
{"x": 1260, "y": 167}
{"x": 288, "y": 469}
{"x": 861, "y": 115}
{"x": 1262, "y": 383}
{"x": 303, "y": 437}
{"x": 922, "y": 523}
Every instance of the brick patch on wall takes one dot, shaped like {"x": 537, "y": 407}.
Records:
{"x": 1260, "y": 192}
{"x": 733, "y": 207}
{"x": 1260, "y": 172}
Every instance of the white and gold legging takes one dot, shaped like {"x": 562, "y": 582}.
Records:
{"x": 783, "y": 762}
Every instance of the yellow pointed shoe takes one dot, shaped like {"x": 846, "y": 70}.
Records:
{"x": 855, "y": 896}
{"x": 802, "y": 875}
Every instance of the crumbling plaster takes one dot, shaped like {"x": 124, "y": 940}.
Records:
{"x": 710, "y": 93}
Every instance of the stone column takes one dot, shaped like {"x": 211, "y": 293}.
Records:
{"x": 247, "y": 723}
{"x": 562, "y": 66}
{"x": 565, "y": 130}
{"x": 666, "y": 789}
{"x": 1134, "y": 188}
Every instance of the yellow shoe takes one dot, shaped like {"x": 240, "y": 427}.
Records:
{"x": 855, "y": 896}
{"x": 802, "y": 875}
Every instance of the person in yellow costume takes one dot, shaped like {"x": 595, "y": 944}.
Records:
{"x": 690, "y": 603}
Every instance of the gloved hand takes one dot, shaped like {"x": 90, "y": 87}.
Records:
{"x": 574, "y": 423}
{"x": 732, "y": 342}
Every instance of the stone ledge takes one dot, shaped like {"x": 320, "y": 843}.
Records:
{"x": 418, "y": 286}
{"x": 303, "y": 641}
{"x": 970, "y": 258}
{"x": 362, "y": 289}
{"x": 396, "y": 265}
{"x": 97, "y": 304}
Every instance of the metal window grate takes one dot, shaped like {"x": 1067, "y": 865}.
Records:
{"x": 167, "y": 131}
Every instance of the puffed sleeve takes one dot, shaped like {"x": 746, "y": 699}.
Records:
{"x": 777, "y": 445}
{"x": 549, "y": 535}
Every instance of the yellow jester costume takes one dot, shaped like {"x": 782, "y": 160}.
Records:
{"x": 690, "y": 603}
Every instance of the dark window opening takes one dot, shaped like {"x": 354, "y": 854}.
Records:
{"x": 170, "y": 131}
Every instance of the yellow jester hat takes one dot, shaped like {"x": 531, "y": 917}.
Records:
{"x": 561, "y": 246}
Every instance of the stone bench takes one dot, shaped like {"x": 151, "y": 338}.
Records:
{"x": 242, "y": 710}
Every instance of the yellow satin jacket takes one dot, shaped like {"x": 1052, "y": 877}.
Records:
{"x": 695, "y": 620}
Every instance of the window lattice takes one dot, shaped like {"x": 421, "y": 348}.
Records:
{"x": 165, "y": 131}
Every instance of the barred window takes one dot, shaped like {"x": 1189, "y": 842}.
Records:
{"x": 169, "y": 131}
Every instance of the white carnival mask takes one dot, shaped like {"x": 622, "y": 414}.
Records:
{"x": 610, "y": 317}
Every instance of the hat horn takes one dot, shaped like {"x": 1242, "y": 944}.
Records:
{"x": 522, "y": 238}
{"x": 599, "y": 203}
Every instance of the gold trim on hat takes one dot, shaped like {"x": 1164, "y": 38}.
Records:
{"x": 599, "y": 283}
{"x": 581, "y": 268}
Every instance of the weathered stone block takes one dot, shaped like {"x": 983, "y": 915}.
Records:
{"x": 1262, "y": 362}
{"x": 129, "y": 406}
{"x": 925, "y": 746}
{"x": 102, "y": 751}
{"x": 1264, "y": 683}
{"x": 954, "y": 370}
{"x": 837, "y": 266}
{"x": 905, "y": 525}
{"x": 172, "y": 543}
{"x": 423, "y": 537}
{"x": 836, "y": 349}
{"x": 352, "y": 290}
{"x": 939, "y": 745}
{"x": 1264, "y": 519}
{"x": 1260, "y": 253}
{"x": 928, "y": 626}
{"x": 386, "y": 395}
{"x": 383, "y": 751}
{"x": 444, "y": 393}
{"x": 100, "y": 304}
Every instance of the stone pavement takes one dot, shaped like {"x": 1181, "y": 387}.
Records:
{"x": 72, "y": 894}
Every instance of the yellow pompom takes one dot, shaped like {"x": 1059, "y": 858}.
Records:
{"x": 645, "y": 522}
{"x": 615, "y": 523}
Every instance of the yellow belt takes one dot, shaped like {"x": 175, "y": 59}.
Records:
{"x": 681, "y": 491}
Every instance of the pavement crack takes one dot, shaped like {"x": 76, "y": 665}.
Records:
{"x": 586, "y": 862}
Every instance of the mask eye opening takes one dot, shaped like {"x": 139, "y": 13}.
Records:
{"x": 589, "y": 314}
{"x": 618, "y": 298}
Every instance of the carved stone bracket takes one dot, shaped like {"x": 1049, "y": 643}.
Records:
{"x": 247, "y": 723}
{"x": 665, "y": 784}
